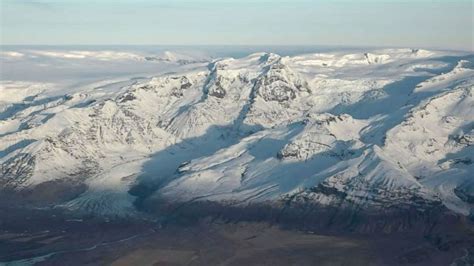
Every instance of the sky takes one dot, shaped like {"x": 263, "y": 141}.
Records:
{"x": 439, "y": 24}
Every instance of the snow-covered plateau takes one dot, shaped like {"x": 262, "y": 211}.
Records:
{"x": 375, "y": 130}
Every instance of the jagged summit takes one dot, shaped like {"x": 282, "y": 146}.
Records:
{"x": 357, "y": 131}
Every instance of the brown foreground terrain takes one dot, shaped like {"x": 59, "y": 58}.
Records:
{"x": 49, "y": 238}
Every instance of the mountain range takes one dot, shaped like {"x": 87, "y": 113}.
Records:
{"x": 377, "y": 140}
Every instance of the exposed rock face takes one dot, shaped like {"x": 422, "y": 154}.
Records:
{"x": 16, "y": 170}
{"x": 321, "y": 136}
{"x": 280, "y": 83}
{"x": 217, "y": 90}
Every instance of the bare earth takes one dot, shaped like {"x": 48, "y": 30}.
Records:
{"x": 52, "y": 240}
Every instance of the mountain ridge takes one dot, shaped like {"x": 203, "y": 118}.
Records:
{"x": 337, "y": 130}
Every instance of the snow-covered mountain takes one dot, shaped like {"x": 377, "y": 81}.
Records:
{"x": 369, "y": 131}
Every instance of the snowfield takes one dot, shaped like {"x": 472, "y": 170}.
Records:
{"x": 364, "y": 130}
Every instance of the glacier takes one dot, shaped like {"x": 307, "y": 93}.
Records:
{"x": 363, "y": 131}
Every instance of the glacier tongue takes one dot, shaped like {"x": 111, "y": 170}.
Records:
{"x": 390, "y": 127}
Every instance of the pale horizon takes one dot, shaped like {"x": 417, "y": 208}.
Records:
{"x": 417, "y": 24}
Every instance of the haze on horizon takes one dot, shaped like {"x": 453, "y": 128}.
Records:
{"x": 389, "y": 23}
